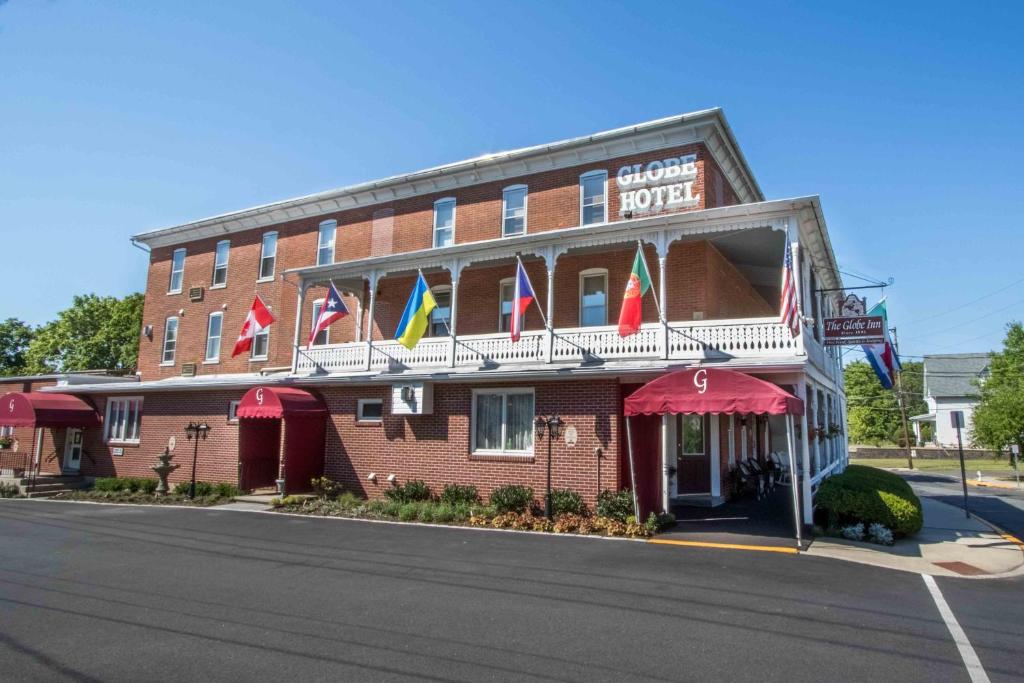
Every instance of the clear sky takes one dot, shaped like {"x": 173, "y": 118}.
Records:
{"x": 907, "y": 119}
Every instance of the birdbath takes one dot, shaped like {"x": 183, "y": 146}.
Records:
{"x": 163, "y": 469}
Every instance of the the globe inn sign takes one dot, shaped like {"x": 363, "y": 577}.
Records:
{"x": 658, "y": 185}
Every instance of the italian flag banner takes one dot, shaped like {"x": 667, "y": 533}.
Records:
{"x": 632, "y": 302}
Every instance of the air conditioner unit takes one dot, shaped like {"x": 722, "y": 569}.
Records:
{"x": 195, "y": 293}
{"x": 188, "y": 369}
{"x": 412, "y": 398}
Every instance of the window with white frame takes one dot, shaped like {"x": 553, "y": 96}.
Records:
{"x": 593, "y": 297}
{"x": 268, "y": 256}
{"x": 441, "y": 316}
{"x": 213, "y": 334}
{"x": 233, "y": 410}
{"x": 220, "y": 264}
{"x": 123, "y": 419}
{"x": 261, "y": 344}
{"x": 513, "y": 210}
{"x": 6, "y": 432}
{"x": 370, "y": 410}
{"x": 170, "y": 341}
{"x": 322, "y": 336}
{"x": 444, "y": 222}
{"x": 593, "y": 197}
{"x": 502, "y": 422}
{"x": 505, "y": 295}
{"x": 325, "y": 242}
{"x": 177, "y": 271}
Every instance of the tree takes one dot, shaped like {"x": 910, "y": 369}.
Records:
{"x": 998, "y": 419}
{"x": 872, "y": 410}
{"x": 95, "y": 333}
{"x": 15, "y": 336}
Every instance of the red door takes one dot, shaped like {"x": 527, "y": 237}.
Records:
{"x": 259, "y": 447}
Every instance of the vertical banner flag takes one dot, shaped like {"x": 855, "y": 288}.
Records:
{"x": 788, "y": 313}
{"x": 416, "y": 315}
{"x": 259, "y": 317}
{"x": 522, "y": 297}
{"x": 882, "y": 356}
{"x": 332, "y": 310}
{"x": 639, "y": 282}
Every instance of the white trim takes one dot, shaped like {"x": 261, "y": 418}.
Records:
{"x": 320, "y": 246}
{"x": 437, "y": 203}
{"x": 260, "y": 277}
{"x": 220, "y": 337}
{"x": 233, "y": 410}
{"x": 593, "y": 174}
{"x": 163, "y": 345}
{"x": 362, "y": 403}
{"x": 592, "y": 272}
{"x": 227, "y": 258}
{"x": 504, "y": 208}
{"x": 171, "y": 289}
{"x": 312, "y": 323}
{"x": 504, "y": 392}
{"x": 137, "y": 418}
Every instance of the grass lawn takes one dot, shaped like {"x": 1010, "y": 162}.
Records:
{"x": 986, "y": 465}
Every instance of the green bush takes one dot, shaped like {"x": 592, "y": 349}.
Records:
{"x": 326, "y": 488}
{"x": 512, "y": 498}
{"x": 205, "y": 489}
{"x": 617, "y": 505}
{"x": 129, "y": 484}
{"x": 459, "y": 493}
{"x": 868, "y": 495}
{"x": 567, "y": 501}
{"x": 412, "y": 491}
{"x": 9, "y": 490}
{"x": 407, "y": 512}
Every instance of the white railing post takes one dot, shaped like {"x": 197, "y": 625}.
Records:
{"x": 662, "y": 247}
{"x": 550, "y": 260}
{"x": 369, "y": 324}
{"x": 299, "y": 303}
{"x": 454, "y": 270}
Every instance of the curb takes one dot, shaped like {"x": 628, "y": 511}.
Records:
{"x": 992, "y": 484}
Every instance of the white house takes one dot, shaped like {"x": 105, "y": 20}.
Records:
{"x": 950, "y": 383}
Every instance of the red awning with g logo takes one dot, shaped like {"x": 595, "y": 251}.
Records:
{"x": 278, "y": 402}
{"x": 33, "y": 409}
{"x": 711, "y": 390}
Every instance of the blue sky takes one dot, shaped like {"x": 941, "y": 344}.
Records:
{"x": 906, "y": 118}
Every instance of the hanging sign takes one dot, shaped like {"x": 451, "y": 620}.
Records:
{"x": 658, "y": 185}
{"x": 854, "y": 329}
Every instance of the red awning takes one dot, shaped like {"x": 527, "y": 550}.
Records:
{"x": 20, "y": 409}
{"x": 711, "y": 390}
{"x": 278, "y": 402}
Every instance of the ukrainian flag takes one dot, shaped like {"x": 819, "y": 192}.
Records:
{"x": 417, "y": 314}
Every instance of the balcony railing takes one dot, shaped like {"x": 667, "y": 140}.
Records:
{"x": 717, "y": 339}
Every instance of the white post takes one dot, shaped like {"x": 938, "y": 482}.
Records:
{"x": 550, "y": 262}
{"x": 799, "y": 274}
{"x": 793, "y": 481}
{"x": 454, "y": 271}
{"x": 732, "y": 438}
{"x": 805, "y": 455}
{"x": 716, "y": 457}
{"x": 663, "y": 301}
{"x": 369, "y": 324}
{"x": 632, "y": 470}
{"x": 815, "y": 412}
{"x": 300, "y": 302}
{"x": 664, "y": 464}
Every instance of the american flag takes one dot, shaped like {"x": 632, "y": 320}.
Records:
{"x": 788, "y": 312}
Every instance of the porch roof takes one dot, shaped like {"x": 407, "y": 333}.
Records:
{"x": 278, "y": 402}
{"x": 20, "y": 409}
{"x": 711, "y": 390}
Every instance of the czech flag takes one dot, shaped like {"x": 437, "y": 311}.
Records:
{"x": 333, "y": 309}
{"x": 522, "y": 297}
{"x": 639, "y": 282}
{"x": 259, "y": 317}
{"x": 882, "y": 356}
{"x": 416, "y": 315}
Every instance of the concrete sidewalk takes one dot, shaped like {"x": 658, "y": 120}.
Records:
{"x": 948, "y": 545}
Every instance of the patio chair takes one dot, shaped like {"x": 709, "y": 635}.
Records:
{"x": 781, "y": 468}
{"x": 766, "y": 474}
{"x": 750, "y": 479}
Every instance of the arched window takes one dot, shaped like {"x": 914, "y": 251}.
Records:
{"x": 441, "y": 316}
{"x": 323, "y": 336}
{"x": 506, "y": 291}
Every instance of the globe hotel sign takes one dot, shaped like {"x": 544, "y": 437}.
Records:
{"x": 658, "y": 185}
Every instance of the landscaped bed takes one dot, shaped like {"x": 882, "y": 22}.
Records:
{"x": 509, "y": 507}
{"x": 143, "y": 491}
{"x": 866, "y": 503}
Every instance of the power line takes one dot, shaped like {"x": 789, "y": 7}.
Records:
{"x": 973, "y": 301}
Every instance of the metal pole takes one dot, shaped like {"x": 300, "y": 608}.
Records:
{"x": 790, "y": 438}
{"x": 547, "y": 498}
{"x": 963, "y": 470}
{"x": 632, "y": 471}
{"x": 195, "y": 454}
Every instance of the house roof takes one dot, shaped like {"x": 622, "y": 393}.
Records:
{"x": 954, "y": 374}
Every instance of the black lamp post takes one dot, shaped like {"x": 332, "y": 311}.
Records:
{"x": 193, "y": 432}
{"x": 553, "y": 427}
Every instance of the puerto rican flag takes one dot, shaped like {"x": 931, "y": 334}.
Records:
{"x": 788, "y": 313}
{"x": 333, "y": 309}
{"x": 259, "y": 317}
{"x": 522, "y": 297}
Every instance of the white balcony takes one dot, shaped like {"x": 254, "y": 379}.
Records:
{"x": 753, "y": 339}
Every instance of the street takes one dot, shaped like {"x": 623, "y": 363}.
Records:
{"x": 1003, "y": 507}
{"x": 95, "y": 592}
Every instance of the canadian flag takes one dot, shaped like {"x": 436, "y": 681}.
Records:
{"x": 259, "y": 317}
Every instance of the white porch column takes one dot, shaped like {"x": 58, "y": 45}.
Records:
{"x": 454, "y": 269}
{"x": 300, "y": 302}
{"x": 662, "y": 247}
{"x": 805, "y": 455}
{"x": 815, "y": 413}
{"x": 716, "y": 457}
{"x": 664, "y": 465}
{"x": 551, "y": 260}
{"x": 369, "y": 324}
{"x": 798, "y": 272}
{"x": 732, "y": 439}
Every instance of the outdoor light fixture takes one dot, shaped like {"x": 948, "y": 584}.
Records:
{"x": 553, "y": 427}
{"x": 193, "y": 432}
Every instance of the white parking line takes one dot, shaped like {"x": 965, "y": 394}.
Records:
{"x": 974, "y": 668}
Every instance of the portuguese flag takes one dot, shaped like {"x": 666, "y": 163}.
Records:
{"x": 632, "y": 302}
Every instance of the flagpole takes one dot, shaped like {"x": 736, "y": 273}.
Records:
{"x": 657, "y": 304}
{"x": 543, "y": 318}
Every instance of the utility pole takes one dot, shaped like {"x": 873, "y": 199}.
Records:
{"x": 901, "y": 401}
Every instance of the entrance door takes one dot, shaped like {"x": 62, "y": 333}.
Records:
{"x": 72, "y": 450}
{"x": 693, "y": 460}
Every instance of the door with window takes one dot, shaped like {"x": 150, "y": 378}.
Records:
{"x": 72, "y": 451}
{"x": 693, "y": 460}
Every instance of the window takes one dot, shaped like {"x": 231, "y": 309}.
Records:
{"x": 213, "y": 330}
{"x": 6, "y": 432}
{"x": 170, "y": 341}
{"x": 444, "y": 222}
{"x": 233, "y": 411}
{"x": 507, "y": 292}
{"x": 441, "y": 316}
{"x": 124, "y": 416}
{"x": 177, "y": 271}
{"x": 593, "y": 191}
{"x": 370, "y": 410}
{"x": 690, "y": 434}
{"x": 502, "y": 422}
{"x": 268, "y": 256}
{"x": 325, "y": 242}
{"x": 321, "y": 336}
{"x": 261, "y": 344}
{"x": 220, "y": 264}
{"x": 593, "y": 298}
{"x": 513, "y": 212}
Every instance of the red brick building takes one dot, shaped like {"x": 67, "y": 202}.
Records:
{"x": 460, "y": 406}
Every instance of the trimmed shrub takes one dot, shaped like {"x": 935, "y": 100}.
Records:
{"x": 868, "y": 495}
{"x": 412, "y": 491}
{"x": 408, "y": 512}
{"x": 512, "y": 498}
{"x": 326, "y": 488}
{"x": 129, "y": 484}
{"x": 617, "y": 505}
{"x": 205, "y": 489}
{"x": 453, "y": 494}
{"x": 567, "y": 502}
{"x": 9, "y": 490}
